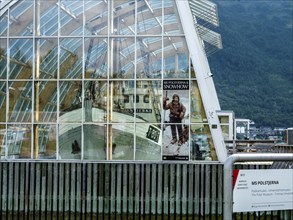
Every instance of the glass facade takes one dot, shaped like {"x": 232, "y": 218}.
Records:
{"x": 99, "y": 80}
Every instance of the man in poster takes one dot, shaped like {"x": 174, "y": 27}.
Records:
{"x": 176, "y": 120}
{"x": 177, "y": 112}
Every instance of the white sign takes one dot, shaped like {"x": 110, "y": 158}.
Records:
{"x": 262, "y": 190}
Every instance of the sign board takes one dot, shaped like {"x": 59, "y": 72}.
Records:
{"x": 262, "y": 190}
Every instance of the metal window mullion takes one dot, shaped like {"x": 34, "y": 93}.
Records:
{"x": 33, "y": 77}
{"x": 162, "y": 70}
{"x": 7, "y": 87}
{"x": 83, "y": 85}
{"x": 58, "y": 84}
{"x": 189, "y": 98}
{"x": 135, "y": 79}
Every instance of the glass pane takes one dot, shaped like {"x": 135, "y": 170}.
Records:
{"x": 197, "y": 109}
{"x": 70, "y": 141}
{"x": 2, "y": 141}
{"x": 149, "y": 57}
{"x": 19, "y": 141}
{"x": 225, "y": 131}
{"x": 148, "y": 141}
{"x": 176, "y": 119}
{"x": 96, "y": 17}
{"x": 176, "y": 58}
{"x": 95, "y": 141}
{"x": 202, "y": 147}
{"x": 148, "y": 101}
{"x": 47, "y": 141}
{"x": 48, "y": 17}
{"x": 123, "y": 54}
{"x": 96, "y": 58}
{"x": 20, "y": 101}
{"x": 71, "y": 18}
{"x": 48, "y": 58}
{"x": 149, "y": 17}
{"x": 48, "y": 101}
{"x": 3, "y": 101}
{"x": 122, "y": 100}
{"x": 21, "y": 58}
{"x": 21, "y": 23}
{"x": 4, "y": 22}
{"x": 3, "y": 58}
{"x": 124, "y": 17}
{"x": 123, "y": 141}
{"x": 172, "y": 23}
{"x": 70, "y": 58}
{"x": 70, "y": 101}
{"x": 97, "y": 90}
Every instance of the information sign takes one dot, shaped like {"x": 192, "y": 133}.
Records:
{"x": 262, "y": 190}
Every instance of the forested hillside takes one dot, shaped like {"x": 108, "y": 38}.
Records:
{"x": 253, "y": 73}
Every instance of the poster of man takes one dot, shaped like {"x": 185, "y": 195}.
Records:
{"x": 176, "y": 116}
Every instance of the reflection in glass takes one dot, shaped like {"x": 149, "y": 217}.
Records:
{"x": 148, "y": 102}
{"x": 20, "y": 101}
{"x": 70, "y": 58}
{"x": 95, "y": 141}
{"x": 148, "y": 141}
{"x": 96, "y": 92}
{"x": 70, "y": 101}
{"x": 22, "y": 19}
{"x": 172, "y": 24}
{"x": 2, "y": 140}
{"x": 122, "y": 141}
{"x": 96, "y": 62}
{"x": 123, "y": 23}
{"x": 48, "y": 17}
{"x": 3, "y": 101}
{"x": 176, "y": 58}
{"x": 49, "y": 58}
{"x": 122, "y": 100}
{"x": 21, "y": 56}
{"x": 71, "y": 18}
{"x": 47, "y": 141}
{"x": 3, "y": 58}
{"x": 123, "y": 54}
{"x": 3, "y": 24}
{"x": 96, "y": 17}
{"x": 149, "y": 57}
{"x": 18, "y": 141}
{"x": 197, "y": 109}
{"x": 201, "y": 145}
{"x": 149, "y": 18}
{"x": 70, "y": 141}
{"x": 48, "y": 101}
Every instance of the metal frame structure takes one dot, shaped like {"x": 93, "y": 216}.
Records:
{"x": 183, "y": 29}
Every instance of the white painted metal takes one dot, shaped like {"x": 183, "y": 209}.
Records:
{"x": 228, "y": 174}
{"x": 204, "y": 77}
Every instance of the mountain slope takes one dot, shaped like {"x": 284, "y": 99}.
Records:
{"x": 253, "y": 73}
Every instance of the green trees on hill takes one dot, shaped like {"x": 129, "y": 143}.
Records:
{"x": 253, "y": 73}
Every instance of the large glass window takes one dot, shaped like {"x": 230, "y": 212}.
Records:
{"x": 99, "y": 80}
